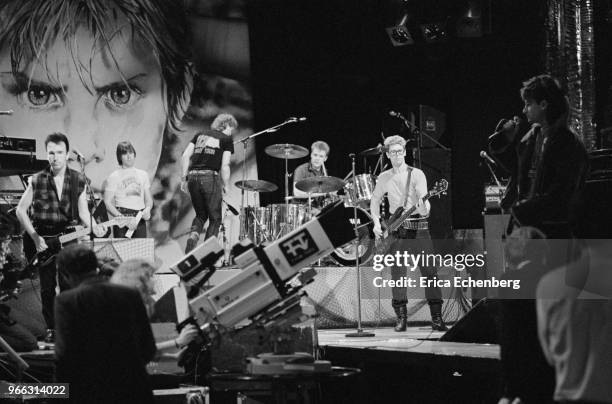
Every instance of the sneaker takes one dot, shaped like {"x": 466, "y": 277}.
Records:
{"x": 49, "y": 336}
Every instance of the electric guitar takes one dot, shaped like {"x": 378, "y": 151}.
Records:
{"x": 135, "y": 219}
{"x": 401, "y": 214}
{"x": 57, "y": 241}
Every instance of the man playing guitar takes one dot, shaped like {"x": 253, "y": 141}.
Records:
{"x": 405, "y": 187}
{"x": 54, "y": 199}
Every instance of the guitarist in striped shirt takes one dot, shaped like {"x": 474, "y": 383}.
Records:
{"x": 405, "y": 186}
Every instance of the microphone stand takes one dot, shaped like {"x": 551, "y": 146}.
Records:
{"x": 360, "y": 332}
{"x": 245, "y": 141}
{"x": 415, "y": 129}
{"x": 93, "y": 201}
{"x": 492, "y": 173}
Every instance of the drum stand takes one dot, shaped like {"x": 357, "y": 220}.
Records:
{"x": 245, "y": 141}
{"x": 359, "y": 332}
{"x": 286, "y": 191}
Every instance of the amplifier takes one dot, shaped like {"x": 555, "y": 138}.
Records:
{"x": 15, "y": 145}
{"x": 493, "y": 196}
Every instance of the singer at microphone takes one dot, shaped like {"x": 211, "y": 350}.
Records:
{"x": 547, "y": 164}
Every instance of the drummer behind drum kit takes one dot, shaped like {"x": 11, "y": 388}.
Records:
{"x": 266, "y": 224}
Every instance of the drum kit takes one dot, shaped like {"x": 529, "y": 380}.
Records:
{"x": 266, "y": 224}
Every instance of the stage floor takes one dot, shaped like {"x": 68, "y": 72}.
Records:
{"x": 416, "y": 340}
{"x": 410, "y": 367}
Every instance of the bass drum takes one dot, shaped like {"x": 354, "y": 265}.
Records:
{"x": 345, "y": 255}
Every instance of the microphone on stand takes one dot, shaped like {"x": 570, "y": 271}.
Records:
{"x": 231, "y": 209}
{"x": 396, "y": 114}
{"x": 78, "y": 155}
{"x": 485, "y": 155}
{"x": 296, "y": 119}
{"x": 8, "y": 112}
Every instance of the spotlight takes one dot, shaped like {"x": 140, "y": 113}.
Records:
{"x": 399, "y": 35}
{"x": 434, "y": 32}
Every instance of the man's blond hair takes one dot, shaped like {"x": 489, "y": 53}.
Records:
{"x": 391, "y": 140}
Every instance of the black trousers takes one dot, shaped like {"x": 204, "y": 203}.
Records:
{"x": 49, "y": 279}
{"x": 141, "y": 229}
{"x": 206, "y": 191}
{"x": 413, "y": 242}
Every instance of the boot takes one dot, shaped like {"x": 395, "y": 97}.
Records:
{"x": 437, "y": 324}
{"x": 402, "y": 313}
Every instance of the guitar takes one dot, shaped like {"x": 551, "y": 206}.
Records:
{"x": 57, "y": 241}
{"x": 401, "y": 214}
{"x": 135, "y": 219}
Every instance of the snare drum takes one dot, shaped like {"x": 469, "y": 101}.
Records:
{"x": 255, "y": 224}
{"x": 362, "y": 194}
{"x": 283, "y": 222}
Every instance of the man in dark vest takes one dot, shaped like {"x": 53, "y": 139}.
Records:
{"x": 54, "y": 199}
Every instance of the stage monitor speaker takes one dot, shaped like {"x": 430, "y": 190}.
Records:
{"x": 431, "y": 122}
{"x": 479, "y": 325}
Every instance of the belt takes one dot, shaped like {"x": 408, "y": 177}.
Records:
{"x": 128, "y": 211}
{"x": 202, "y": 172}
{"x": 415, "y": 224}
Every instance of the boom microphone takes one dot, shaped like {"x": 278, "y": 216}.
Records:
{"x": 485, "y": 156}
{"x": 296, "y": 119}
{"x": 78, "y": 154}
{"x": 232, "y": 209}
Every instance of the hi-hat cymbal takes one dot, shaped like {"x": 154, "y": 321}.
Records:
{"x": 286, "y": 151}
{"x": 320, "y": 185}
{"x": 374, "y": 151}
{"x": 256, "y": 186}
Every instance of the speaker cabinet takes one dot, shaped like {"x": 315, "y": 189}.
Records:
{"x": 478, "y": 326}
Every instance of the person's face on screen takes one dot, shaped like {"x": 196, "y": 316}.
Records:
{"x": 94, "y": 93}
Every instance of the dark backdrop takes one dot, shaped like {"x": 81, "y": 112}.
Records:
{"x": 331, "y": 61}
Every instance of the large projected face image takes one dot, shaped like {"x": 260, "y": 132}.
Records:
{"x": 96, "y": 78}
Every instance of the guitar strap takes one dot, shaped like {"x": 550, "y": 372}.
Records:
{"x": 408, "y": 177}
{"x": 74, "y": 198}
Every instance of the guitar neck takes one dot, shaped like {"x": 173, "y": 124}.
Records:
{"x": 66, "y": 238}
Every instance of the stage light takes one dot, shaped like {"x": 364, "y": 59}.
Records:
{"x": 434, "y": 32}
{"x": 399, "y": 34}
{"x": 469, "y": 25}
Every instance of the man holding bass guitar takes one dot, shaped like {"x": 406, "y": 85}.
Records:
{"x": 405, "y": 187}
{"x": 54, "y": 200}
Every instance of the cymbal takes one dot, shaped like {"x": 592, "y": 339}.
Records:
{"x": 320, "y": 185}
{"x": 286, "y": 151}
{"x": 256, "y": 185}
{"x": 374, "y": 151}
